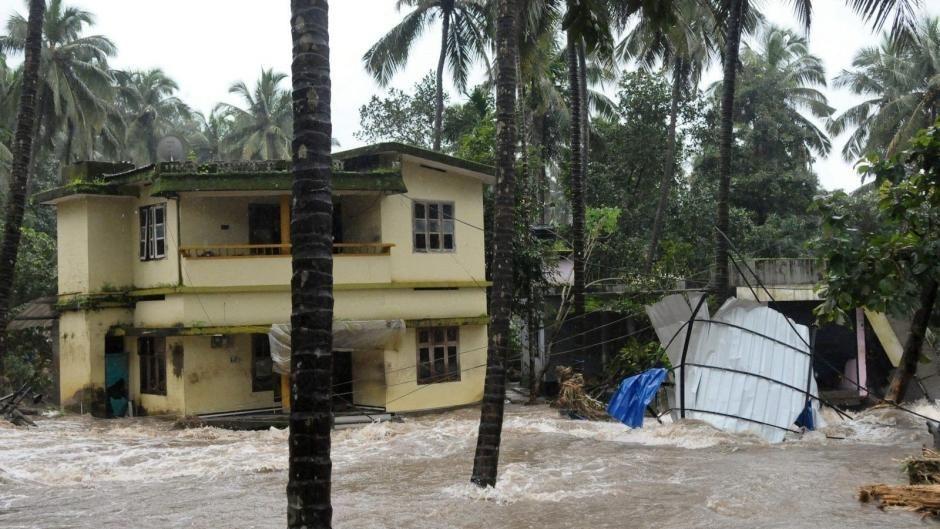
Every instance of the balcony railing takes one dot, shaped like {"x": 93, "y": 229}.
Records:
{"x": 234, "y": 251}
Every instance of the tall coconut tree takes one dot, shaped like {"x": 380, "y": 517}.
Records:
{"x": 465, "y": 27}
{"x": 486, "y": 459}
{"x": 900, "y": 13}
{"x": 311, "y": 419}
{"x": 683, "y": 50}
{"x": 587, "y": 29}
{"x": 150, "y": 107}
{"x": 901, "y": 84}
{"x": 778, "y": 68}
{"x": 76, "y": 87}
{"x": 262, "y": 129}
{"x": 22, "y": 151}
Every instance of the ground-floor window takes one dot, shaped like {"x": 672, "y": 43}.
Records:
{"x": 152, "y": 353}
{"x": 262, "y": 372}
{"x": 438, "y": 356}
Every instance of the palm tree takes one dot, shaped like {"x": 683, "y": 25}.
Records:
{"x": 733, "y": 13}
{"x": 902, "y": 86}
{"x": 77, "y": 85}
{"x": 684, "y": 49}
{"x": 781, "y": 70}
{"x": 150, "y": 109}
{"x": 22, "y": 151}
{"x": 587, "y": 27}
{"x": 486, "y": 459}
{"x": 210, "y": 137}
{"x": 465, "y": 26}
{"x": 261, "y": 130}
{"x": 311, "y": 419}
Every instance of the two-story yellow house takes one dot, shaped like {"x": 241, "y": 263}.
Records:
{"x": 171, "y": 276}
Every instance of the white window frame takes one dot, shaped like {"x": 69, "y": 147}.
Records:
{"x": 425, "y": 226}
{"x": 151, "y": 232}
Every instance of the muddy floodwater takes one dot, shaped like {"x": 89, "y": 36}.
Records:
{"x": 77, "y": 472}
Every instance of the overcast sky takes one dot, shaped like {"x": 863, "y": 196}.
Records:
{"x": 206, "y": 45}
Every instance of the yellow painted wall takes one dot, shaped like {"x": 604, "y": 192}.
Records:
{"x": 467, "y": 263}
{"x": 276, "y": 270}
{"x": 160, "y": 313}
{"x": 202, "y": 217}
{"x": 162, "y": 272}
{"x": 382, "y": 304}
{"x": 404, "y": 393}
{"x": 219, "y": 380}
{"x": 72, "y": 236}
{"x": 108, "y": 241}
{"x": 81, "y": 350}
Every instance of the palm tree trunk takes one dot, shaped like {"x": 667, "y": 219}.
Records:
{"x": 486, "y": 459}
{"x": 915, "y": 341}
{"x": 666, "y": 183}
{"x": 69, "y": 136}
{"x": 585, "y": 112}
{"x": 19, "y": 173}
{"x": 543, "y": 192}
{"x": 311, "y": 419}
{"x": 577, "y": 190}
{"x": 446, "y": 11}
{"x": 720, "y": 283}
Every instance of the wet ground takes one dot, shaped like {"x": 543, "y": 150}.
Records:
{"x": 76, "y": 472}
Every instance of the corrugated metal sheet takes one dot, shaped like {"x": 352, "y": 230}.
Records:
{"x": 756, "y": 348}
{"x": 39, "y": 312}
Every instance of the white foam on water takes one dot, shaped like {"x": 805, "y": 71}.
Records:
{"x": 524, "y": 481}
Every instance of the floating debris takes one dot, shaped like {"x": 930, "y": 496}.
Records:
{"x": 573, "y": 399}
{"x": 924, "y": 499}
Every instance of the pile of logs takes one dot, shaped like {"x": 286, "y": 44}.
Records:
{"x": 10, "y": 406}
{"x": 923, "y": 493}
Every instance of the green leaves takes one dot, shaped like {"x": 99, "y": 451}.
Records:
{"x": 882, "y": 245}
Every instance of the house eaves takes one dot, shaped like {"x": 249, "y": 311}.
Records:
{"x": 485, "y": 173}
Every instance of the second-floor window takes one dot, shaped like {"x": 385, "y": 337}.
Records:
{"x": 153, "y": 232}
{"x": 433, "y": 226}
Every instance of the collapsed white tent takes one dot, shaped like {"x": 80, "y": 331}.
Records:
{"x": 747, "y": 368}
{"x": 365, "y": 335}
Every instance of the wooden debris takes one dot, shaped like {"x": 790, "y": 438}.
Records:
{"x": 572, "y": 397}
{"x": 10, "y": 410}
{"x": 924, "y": 499}
{"x": 924, "y": 470}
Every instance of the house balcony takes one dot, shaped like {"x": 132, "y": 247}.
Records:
{"x": 263, "y": 265}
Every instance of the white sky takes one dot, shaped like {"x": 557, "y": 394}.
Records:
{"x": 206, "y": 45}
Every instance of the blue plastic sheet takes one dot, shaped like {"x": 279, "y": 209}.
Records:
{"x": 807, "y": 419}
{"x": 635, "y": 393}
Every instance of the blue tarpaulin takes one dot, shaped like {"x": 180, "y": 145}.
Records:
{"x": 635, "y": 393}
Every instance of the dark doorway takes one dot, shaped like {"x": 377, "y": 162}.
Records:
{"x": 115, "y": 376}
{"x": 264, "y": 224}
{"x": 342, "y": 380}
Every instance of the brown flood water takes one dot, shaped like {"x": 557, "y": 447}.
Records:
{"x": 76, "y": 472}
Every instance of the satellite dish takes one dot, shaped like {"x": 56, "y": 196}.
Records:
{"x": 170, "y": 149}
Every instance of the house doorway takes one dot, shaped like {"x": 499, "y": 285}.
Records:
{"x": 264, "y": 226}
{"x": 342, "y": 381}
{"x": 115, "y": 376}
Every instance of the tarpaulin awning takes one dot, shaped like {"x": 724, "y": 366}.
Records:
{"x": 629, "y": 404}
{"x": 367, "y": 335}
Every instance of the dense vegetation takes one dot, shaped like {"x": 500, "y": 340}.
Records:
{"x": 649, "y": 141}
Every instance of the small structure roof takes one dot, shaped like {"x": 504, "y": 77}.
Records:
{"x": 38, "y": 313}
